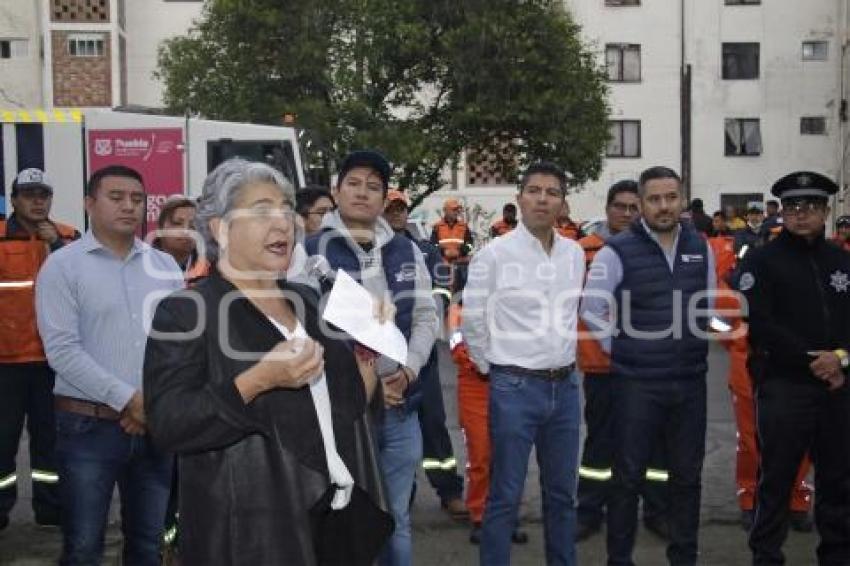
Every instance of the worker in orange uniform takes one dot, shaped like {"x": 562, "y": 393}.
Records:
{"x": 26, "y": 381}
{"x": 506, "y": 223}
{"x": 454, "y": 238}
{"x": 722, "y": 244}
{"x": 473, "y": 397}
{"x": 622, "y": 207}
{"x": 565, "y": 226}
{"x": 451, "y": 234}
{"x": 741, "y": 389}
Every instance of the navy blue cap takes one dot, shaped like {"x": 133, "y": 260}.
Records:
{"x": 366, "y": 158}
{"x": 803, "y": 184}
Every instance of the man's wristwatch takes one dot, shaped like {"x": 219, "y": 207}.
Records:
{"x": 843, "y": 357}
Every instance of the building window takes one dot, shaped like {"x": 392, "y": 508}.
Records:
{"x": 13, "y": 48}
{"x": 622, "y": 2}
{"x": 743, "y": 136}
{"x": 624, "y": 138}
{"x": 85, "y": 45}
{"x": 622, "y": 62}
{"x": 813, "y": 126}
{"x": 743, "y": 2}
{"x": 740, "y": 61}
{"x": 815, "y": 50}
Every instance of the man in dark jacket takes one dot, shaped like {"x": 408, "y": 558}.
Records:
{"x": 655, "y": 273}
{"x": 701, "y": 220}
{"x": 798, "y": 289}
{"x": 751, "y": 235}
{"x": 356, "y": 239}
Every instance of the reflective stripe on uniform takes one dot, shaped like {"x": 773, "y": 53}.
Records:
{"x": 8, "y": 480}
{"x": 169, "y": 535}
{"x": 594, "y": 474}
{"x": 16, "y": 284}
{"x": 656, "y": 475}
{"x": 45, "y": 477}
{"x": 451, "y": 241}
{"x": 434, "y": 464}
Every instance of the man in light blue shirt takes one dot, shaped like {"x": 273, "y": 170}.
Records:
{"x": 94, "y": 301}
{"x": 651, "y": 285}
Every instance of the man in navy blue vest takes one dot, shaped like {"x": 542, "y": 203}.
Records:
{"x": 647, "y": 293}
{"x": 356, "y": 239}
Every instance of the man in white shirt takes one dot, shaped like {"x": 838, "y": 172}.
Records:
{"x": 519, "y": 321}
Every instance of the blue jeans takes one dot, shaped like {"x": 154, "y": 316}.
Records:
{"x": 93, "y": 455}
{"x": 647, "y": 410}
{"x": 526, "y": 411}
{"x": 399, "y": 454}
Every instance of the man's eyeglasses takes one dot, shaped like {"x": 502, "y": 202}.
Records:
{"x": 802, "y": 206}
{"x": 622, "y": 207}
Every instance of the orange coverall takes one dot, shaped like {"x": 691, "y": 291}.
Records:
{"x": 473, "y": 394}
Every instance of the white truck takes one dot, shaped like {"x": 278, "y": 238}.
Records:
{"x": 173, "y": 154}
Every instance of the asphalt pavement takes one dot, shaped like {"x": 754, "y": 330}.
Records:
{"x": 440, "y": 541}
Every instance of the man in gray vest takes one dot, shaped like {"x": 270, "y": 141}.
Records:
{"x": 647, "y": 288}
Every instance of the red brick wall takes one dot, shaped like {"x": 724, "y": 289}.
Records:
{"x": 81, "y": 81}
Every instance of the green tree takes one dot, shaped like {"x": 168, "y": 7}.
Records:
{"x": 421, "y": 80}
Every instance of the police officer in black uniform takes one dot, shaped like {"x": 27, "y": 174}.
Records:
{"x": 798, "y": 289}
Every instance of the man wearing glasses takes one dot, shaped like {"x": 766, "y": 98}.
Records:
{"x": 312, "y": 204}
{"x": 798, "y": 289}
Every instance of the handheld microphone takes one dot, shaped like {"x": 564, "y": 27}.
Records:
{"x": 318, "y": 266}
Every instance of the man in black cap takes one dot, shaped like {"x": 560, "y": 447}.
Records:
{"x": 798, "y": 290}
{"x": 842, "y": 232}
{"x": 356, "y": 239}
{"x": 700, "y": 220}
{"x": 750, "y": 236}
{"x": 772, "y": 220}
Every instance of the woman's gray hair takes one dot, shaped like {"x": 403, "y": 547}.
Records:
{"x": 221, "y": 189}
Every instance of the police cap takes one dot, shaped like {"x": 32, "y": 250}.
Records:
{"x": 803, "y": 184}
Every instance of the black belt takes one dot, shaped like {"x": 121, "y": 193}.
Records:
{"x": 554, "y": 374}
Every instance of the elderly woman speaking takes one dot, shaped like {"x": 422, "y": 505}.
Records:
{"x": 263, "y": 407}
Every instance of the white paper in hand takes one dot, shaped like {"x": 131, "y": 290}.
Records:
{"x": 350, "y": 308}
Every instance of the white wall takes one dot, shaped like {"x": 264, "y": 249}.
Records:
{"x": 655, "y": 26}
{"x": 20, "y": 78}
{"x": 149, "y": 22}
{"x": 787, "y": 89}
